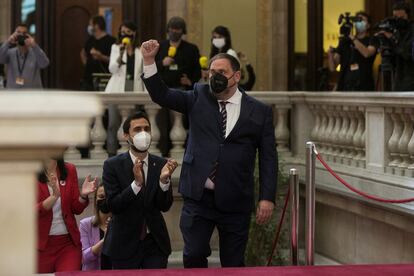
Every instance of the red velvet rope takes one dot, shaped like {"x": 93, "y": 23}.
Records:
{"x": 269, "y": 261}
{"x": 372, "y": 197}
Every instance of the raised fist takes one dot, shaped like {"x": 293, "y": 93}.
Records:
{"x": 149, "y": 50}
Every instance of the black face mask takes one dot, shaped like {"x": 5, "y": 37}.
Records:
{"x": 175, "y": 37}
{"x": 102, "y": 206}
{"x": 219, "y": 82}
{"x": 21, "y": 40}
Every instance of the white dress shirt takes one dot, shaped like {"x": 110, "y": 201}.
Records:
{"x": 233, "y": 108}
{"x": 58, "y": 224}
{"x": 134, "y": 186}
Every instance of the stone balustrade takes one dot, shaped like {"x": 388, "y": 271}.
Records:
{"x": 359, "y": 134}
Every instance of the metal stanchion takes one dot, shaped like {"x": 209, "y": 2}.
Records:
{"x": 294, "y": 215}
{"x": 310, "y": 203}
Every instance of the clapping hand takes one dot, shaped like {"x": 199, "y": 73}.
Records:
{"x": 54, "y": 184}
{"x": 168, "y": 170}
{"x": 89, "y": 186}
{"x": 97, "y": 55}
{"x": 149, "y": 50}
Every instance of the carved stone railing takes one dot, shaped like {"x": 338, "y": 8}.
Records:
{"x": 363, "y": 135}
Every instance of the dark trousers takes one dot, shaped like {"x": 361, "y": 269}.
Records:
{"x": 148, "y": 256}
{"x": 198, "y": 220}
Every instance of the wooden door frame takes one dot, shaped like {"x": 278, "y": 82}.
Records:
{"x": 149, "y": 15}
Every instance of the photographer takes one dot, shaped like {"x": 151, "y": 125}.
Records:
{"x": 24, "y": 59}
{"x": 355, "y": 54}
{"x": 400, "y": 37}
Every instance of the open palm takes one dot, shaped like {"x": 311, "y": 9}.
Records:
{"x": 89, "y": 186}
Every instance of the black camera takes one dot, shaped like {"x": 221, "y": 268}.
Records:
{"x": 346, "y": 21}
{"x": 21, "y": 39}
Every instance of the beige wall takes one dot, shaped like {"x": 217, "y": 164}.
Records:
{"x": 331, "y": 11}
{"x": 5, "y": 19}
{"x": 237, "y": 15}
{"x": 258, "y": 28}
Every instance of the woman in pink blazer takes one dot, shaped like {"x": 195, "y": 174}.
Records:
{"x": 93, "y": 231}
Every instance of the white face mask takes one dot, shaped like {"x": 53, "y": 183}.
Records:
{"x": 219, "y": 42}
{"x": 90, "y": 30}
{"x": 142, "y": 141}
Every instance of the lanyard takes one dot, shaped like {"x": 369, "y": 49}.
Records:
{"x": 20, "y": 68}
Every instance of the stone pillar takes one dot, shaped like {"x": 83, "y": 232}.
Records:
{"x": 38, "y": 126}
{"x": 378, "y": 131}
{"x": 5, "y": 19}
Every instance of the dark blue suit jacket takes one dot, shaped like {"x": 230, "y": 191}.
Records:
{"x": 130, "y": 210}
{"x": 236, "y": 155}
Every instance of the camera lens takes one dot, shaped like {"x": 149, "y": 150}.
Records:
{"x": 21, "y": 39}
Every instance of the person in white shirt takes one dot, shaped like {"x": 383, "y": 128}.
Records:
{"x": 125, "y": 65}
{"x": 138, "y": 189}
{"x": 221, "y": 42}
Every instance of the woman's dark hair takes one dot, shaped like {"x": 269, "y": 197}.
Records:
{"x": 133, "y": 27}
{"x": 223, "y": 31}
{"x": 97, "y": 219}
{"x": 100, "y": 21}
{"x": 399, "y": 6}
{"x": 135, "y": 116}
{"x": 63, "y": 173}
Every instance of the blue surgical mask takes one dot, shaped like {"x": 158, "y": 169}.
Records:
{"x": 361, "y": 26}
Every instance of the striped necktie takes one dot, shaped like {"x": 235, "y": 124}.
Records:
{"x": 223, "y": 113}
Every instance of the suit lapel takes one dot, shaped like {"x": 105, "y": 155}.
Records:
{"x": 128, "y": 166}
{"x": 245, "y": 111}
{"x": 151, "y": 179}
{"x": 213, "y": 108}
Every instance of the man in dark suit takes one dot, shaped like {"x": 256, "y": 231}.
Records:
{"x": 227, "y": 128}
{"x": 138, "y": 189}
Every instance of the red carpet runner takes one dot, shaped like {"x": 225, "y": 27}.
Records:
{"x": 356, "y": 270}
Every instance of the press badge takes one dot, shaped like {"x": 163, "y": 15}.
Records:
{"x": 354, "y": 67}
{"x": 19, "y": 81}
{"x": 173, "y": 67}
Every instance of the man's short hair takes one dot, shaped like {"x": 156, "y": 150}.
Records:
{"x": 235, "y": 64}
{"x": 135, "y": 116}
{"x": 399, "y": 6}
{"x": 177, "y": 23}
{"x": 24, "y": 25}
{"x": 100, "y": 21}
{"x": 364, "y": 14}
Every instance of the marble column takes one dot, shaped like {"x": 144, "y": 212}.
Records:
{"x": 38, "y": 126}
{"x": 5, "y": 19}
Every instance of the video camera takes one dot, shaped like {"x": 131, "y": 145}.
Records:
{"x": 391, "y": 25}
{"x": 347, "y": 23}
